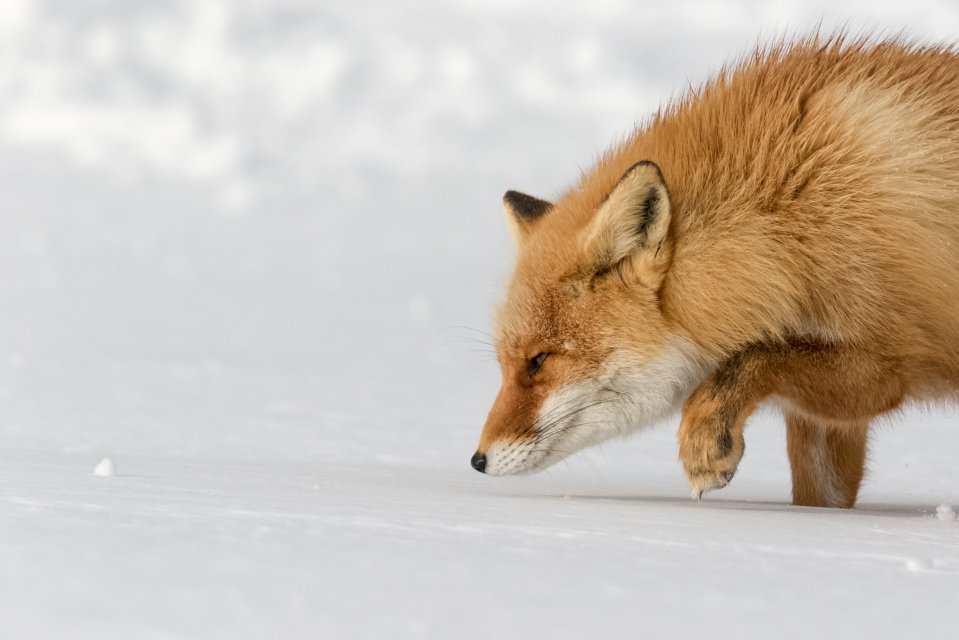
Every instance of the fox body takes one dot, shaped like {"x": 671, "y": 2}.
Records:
{"x": 788, "y": 232}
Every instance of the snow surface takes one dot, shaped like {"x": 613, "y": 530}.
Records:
{"x": 249, "y": 251}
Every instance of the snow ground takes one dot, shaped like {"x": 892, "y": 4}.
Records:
{"x": 245, "y": 250}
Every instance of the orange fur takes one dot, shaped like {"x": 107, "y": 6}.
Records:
{"x": 807, "y": 203}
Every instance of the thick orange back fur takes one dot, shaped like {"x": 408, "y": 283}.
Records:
{"x": 815, "y": 191}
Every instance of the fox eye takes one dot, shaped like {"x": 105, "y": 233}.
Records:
{"x": 535, "y": 363}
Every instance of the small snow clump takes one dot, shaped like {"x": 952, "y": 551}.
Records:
{"x": 945, "y": 513}
{"x": 107, "y": 467}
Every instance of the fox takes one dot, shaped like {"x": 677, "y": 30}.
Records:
{"x": 785, "y": 234}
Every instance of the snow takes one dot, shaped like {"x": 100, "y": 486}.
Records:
{"x": 251, "y": 251}
{"x": 919, "y": 564}
{"x": 945, "y": 513}
{"x": 105, "y": 468}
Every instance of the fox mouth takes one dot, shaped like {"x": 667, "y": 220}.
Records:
{"x": 575, "y": 416}
{"x": 555, "y": 438}
{"x": 521, "y": 457}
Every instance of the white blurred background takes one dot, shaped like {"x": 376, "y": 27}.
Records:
{"x": 207, "y": 202}
{"x": 266, "y": 231}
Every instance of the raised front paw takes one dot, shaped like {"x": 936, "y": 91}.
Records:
{"x": 710, "y": 446}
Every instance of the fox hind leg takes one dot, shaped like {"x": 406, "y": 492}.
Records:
{"x": 827, "y": 461}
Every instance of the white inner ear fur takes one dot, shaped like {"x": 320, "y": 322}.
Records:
{"x": 631, "y": 393}
{"x": 639, "y": 201}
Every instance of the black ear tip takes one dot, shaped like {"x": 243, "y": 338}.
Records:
{"x": 524, "y": 206}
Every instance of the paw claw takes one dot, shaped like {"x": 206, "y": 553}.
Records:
{"x": 701, "y": 481}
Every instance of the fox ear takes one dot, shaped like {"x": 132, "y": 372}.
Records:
{"x": 521, "y": 211}
{"x": 629, "y": 230}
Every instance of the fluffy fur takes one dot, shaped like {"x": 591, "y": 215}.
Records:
{"x": 791, "y": 230}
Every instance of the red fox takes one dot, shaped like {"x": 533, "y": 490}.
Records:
{"x": 787, "y": 232}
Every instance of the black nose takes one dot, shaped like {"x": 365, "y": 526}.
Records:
{"x": 479, "y": 462}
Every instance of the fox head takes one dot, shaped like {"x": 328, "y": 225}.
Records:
{"x": 585, "y": 347}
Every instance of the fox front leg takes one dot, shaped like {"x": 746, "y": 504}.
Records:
{"x": 711, "y": 440}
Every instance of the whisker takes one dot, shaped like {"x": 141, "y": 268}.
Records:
{"x": 550, "y": 417}
{"x": 467, "y": 340}
{"x": 548, "y": 429}
{"x": 461, "y": 327}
